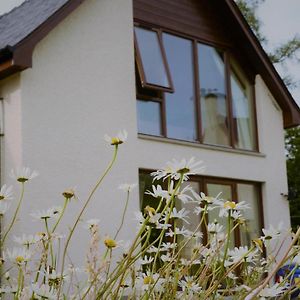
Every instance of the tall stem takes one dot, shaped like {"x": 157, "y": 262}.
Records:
{"x": 81, "y": 213}
{"x": 15, "y": 215}
{"x": 123, "y": 216}
{"x": 61, "y": 215}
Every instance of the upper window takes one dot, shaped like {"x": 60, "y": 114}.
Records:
{"x": 191, "y": 91}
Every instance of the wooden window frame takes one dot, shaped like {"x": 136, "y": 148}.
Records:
{"x": 202, "y": 181}
{"x": 140, "y": 67}
{"x": 228, "y": 53}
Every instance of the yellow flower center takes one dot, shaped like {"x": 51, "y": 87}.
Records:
{"x": 110, "y": 243}
{"x": 150, "y": 210}
{"x": 148, "y": 280}
{"x": 258, "y": 243}
{"x": 68, "y": 193}
{"x": 22, "y": 179}
{"x": 230, "y": 205}
{"x": 116, "y": 141}
{"x": 19, "y": 259}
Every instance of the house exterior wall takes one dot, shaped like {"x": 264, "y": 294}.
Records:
{"x": 81, "y": 86}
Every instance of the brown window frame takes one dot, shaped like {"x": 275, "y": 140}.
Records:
{"x": 202, "y": 183}
{"x": 227, "y": 69}
{"x": 140, "y": 67}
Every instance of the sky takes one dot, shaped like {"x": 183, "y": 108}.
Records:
{"x": 280, "y": 22}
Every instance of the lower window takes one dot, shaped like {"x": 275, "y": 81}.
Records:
{"x": 231, "y": 190}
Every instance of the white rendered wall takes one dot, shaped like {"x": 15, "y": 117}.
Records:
{"x": 81, "y": 86}
{"x": 8, "y": 5}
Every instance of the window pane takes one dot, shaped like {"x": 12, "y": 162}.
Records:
{"x": 226, "y": 193}
{"x": 243, "y": 115}
{"x": 213, "y": 96}
{"x": 193, "y": 220}
{"x": 180, "y": 106}
{"x": 148, "y": 117}
{"x": 151, "y": 56}
{"x": 252, "y": 228}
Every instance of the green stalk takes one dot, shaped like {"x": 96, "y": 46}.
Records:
{"x": 123, "y": 216}
{"x": 81, "y": 213}
{"x": 15, "y": 215}
{"x": 61, "y": 215}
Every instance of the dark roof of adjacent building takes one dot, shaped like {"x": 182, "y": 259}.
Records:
{"x": 24, "y": 26}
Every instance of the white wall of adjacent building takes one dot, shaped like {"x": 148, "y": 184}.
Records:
{"x": 81, "y": 86}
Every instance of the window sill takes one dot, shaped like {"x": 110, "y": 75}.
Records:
{"x": 198, "y": 145}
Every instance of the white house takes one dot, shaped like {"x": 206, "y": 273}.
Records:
{"x": 193, "y": 81}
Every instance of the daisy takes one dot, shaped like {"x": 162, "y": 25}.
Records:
{"x": 272, "y": 291}
{"x": 167, "y": 246}
{"x": 52, "y": 212}
{"x": 189, "y": 284}
{"x": 6, "y": 192}
{"x": 117, "y": 140}
{"x": 181, "y": 214}
{"x": 202, "y": 198}
{"x": 214, "y": 228}
{"x": 126, "y": 187}
{"x": 240, "y": 254}
{"x": 158, "y": 192}
{"x": 18, "y": 255}
{"x": 176, "y": 169}
{"x": 44, "y": 291}
{"x": 91, "y": 223}
{"x": 24, "y": 174}
{"x": 27, "y": 240}
{"x": 272, "y": 232}
{"x": 230, "y": 206}
{"x": 146, "y": 260}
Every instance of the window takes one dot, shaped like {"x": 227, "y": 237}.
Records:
{"x": 192, "y": 91}
{"x": 232, "y": 190}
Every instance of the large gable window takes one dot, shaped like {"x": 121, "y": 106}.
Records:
{"x": 191, "y": 91}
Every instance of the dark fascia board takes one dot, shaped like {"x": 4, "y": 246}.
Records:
{"x": 21, "y": 53}
{"x": 291, "y": 111}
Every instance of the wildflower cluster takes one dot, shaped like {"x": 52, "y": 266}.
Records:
{"x": 170, "y": 257}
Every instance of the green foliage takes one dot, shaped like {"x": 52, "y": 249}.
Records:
{"x": 293, "y": 165}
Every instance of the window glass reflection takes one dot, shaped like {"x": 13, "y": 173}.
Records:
{"x": 180, "y": 106}
{"x": 148, "y": 117}
{"x": 243, "y": 120}
{"x": 213, "y": 96}
{"x": 151, "y": 56}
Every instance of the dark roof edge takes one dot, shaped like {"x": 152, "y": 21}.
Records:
{"x": 21, "y": 53}
{"x": 291, "y": 111}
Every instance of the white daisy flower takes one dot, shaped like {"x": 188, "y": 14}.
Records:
{"x": 9, "y": 289}
{"x": 168, "y": 246}
{"x": 27, "y": 240}
{"x": 214, "y": 228}
{"x": 24, "y": 174}
{"x": 166, "y": 257}
{"x": 52, "y": 212}
{"x": 44, "y": 291}
{"x": 202, "y": 198}
{"x": 4, "y": 206}
{"x": 181, "y": 214}
{"x": 17, "y": 255}
{"x": 272, "y": 291}
{"x": 175, "y": 169}
{"x": 126, "y": 187}
{"x": 272, "y": 232}
{"x": 189, "y": 284}
{"x": 6, "y": 192}
{"x": 146, "y": 260}
{"x": 158, "y": 192}
{"x": 117, "y": 140}
{"x": 230, "y": 206}
{"x": 240, "y": 254}
{"x": 91, "y": 223}
{"x": 162, "y": 226}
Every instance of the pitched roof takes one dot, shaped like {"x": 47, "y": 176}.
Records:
{"x": 23, "y": 27}
{"x": 22, "y": 20}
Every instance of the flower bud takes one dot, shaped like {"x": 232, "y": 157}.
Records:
{"x": 68, "y": 194}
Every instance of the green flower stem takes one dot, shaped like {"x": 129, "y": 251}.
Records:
{"x": 123, "y": 216}
{"x": 15, "y": 214}
{"x": 228, "y": 238}
{"x": 81, "y": 213}
{"x": 49, "y": 242}
{"x": 61, "y": 215}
